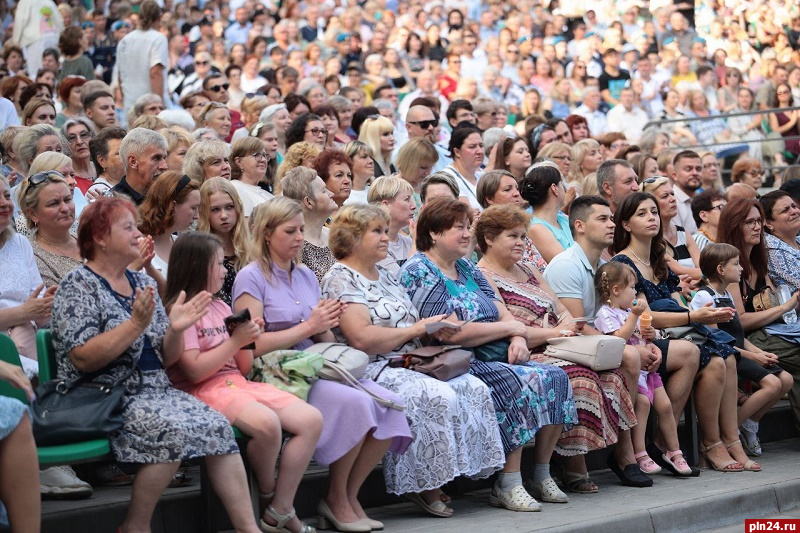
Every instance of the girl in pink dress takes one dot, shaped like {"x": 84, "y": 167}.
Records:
{"x": 212, "y": 368}
{"x": 619, "y": 316}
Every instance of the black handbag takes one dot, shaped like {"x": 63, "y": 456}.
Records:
{"x": 78, "y": 409}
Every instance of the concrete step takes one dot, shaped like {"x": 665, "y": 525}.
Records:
{"x": 182, "y": 509}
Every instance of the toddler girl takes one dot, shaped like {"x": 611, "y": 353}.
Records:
{"x": 619, "y": 316}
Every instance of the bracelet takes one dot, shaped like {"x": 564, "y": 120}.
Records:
{"x": 688, "y": 317}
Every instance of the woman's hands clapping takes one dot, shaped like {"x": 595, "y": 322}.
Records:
{"x": 325, "y": 315}
{"x": 147, "y": 251}
{"x": 144, "y": 305}
{"x": 184, "y": 314}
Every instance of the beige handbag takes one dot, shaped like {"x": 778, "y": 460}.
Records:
{"x": 597, "y": 352}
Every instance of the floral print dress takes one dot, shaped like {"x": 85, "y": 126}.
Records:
{"x": 526, "y": 397}
{"x": 453, "y": 422}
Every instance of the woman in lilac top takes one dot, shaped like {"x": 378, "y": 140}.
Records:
{"x": 356, "y": 430}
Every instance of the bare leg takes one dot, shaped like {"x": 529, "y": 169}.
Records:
{"x": 339, "y": 476}
{"x": 710, "y": 387}
{"x": 630, "y": 366}
{"x": 261, "y": 424}
{"x": 666, "y": 421}
{"x": 372, "y": 452}
{"x": 728, "y": 424}
{"x": 149, "y": 485}
{"x": 623, "y": 450}
{"x": 682, "y": 363}
{"x": 229, "y": 480}
{"x": 20, "y": 491}
{"x": 771, "y": 389}
{"x": 638, "y": 431}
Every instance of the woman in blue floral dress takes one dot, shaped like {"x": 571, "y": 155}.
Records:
{"x": 527, "y": 396}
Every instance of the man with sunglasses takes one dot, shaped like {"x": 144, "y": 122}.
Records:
{"x": 422, "y": 123}
{"x": 216, "y": 87}
{"x": 143, "y": 58}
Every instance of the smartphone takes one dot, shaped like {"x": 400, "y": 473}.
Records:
{"x": 236, "y": 320}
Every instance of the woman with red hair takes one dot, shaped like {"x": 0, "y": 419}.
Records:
{"x": 69, "y": 92}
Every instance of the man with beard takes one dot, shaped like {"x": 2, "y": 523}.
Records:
{"x": 687, "y": 167}
{"x": 144, "y": 158}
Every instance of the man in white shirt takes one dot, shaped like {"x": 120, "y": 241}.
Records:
{"x": 651, "y": 93}
{"x": 627, "y": 118}
{"x": 590, "y": 110}
{"x": 239, "y": 29}
{"x": 8, "y": 114}
{"x": 473, "y": 59}
{"x": 143, "y": 58}
{"x": 686, "y": 169}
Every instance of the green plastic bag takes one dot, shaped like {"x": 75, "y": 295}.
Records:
{"x": 291, "y": 371}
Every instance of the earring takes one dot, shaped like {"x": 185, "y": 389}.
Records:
{"x": 434, "y": 241}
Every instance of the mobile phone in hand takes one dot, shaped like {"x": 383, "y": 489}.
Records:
{"x": 236, "y": 320}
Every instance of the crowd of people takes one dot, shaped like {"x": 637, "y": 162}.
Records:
{"x": 359, "y": 173}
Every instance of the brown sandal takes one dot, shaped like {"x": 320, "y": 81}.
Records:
{"x": 728, "y": 466}
{"x": 750, "y": 465}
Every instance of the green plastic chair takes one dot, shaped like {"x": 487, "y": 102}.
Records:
{"x": 65, "y": 453}
{"x": 9, "y": 354}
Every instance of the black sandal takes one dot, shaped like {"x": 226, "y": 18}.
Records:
{"x": 631, "y": 476}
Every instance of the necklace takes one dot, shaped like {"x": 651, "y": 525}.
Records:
{"x": 52, "y": 245}
{"x": 645, "y": 263}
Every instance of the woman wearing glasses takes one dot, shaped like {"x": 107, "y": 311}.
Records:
{"x": 249, "y": 160}
{"x": 79, "y": 132}
{"x": 217, "y": 117}
{"x": 307, "y": 128}
{"x": 748, "y": 171}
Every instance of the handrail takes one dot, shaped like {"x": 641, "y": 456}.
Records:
{"x": 722, "y": 116}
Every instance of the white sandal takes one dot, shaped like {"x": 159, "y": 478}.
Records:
{"x": 517, "y": 499}
{"x": 281, "y": 520}
{"x": 547, "y": 491}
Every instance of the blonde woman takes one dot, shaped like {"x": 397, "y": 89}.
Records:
{"x": 586, "y": 159}
{"x": 415, "y": 161}
{"x": 558, "y": 101}
{"x": 248, "y": 170}
{"x": 178, "y": 143}
{"x": 251, "y": 108}
{"x": 378, "y": 133}
{"x": 222, "y": 214}
{"x": 217, "y": 117}
{"x": 301, "y": 154}
{"x": 360, "y": 155}
{"x": 560, "y": 154}
{"x": 207, "y": 159}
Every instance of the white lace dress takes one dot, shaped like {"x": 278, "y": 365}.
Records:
{"x": 453, "y": 423}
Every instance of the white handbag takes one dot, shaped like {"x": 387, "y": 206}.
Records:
{"x": 346, "y": 365}
{"x": 597, "y": 352}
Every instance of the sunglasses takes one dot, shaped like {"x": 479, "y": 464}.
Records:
{"x": 317, "y": 131}
{"x": 202, "y": 63}
{"x": 41, "y": 177}
{"x": 218, "y": 88}
{"x": 425, "y": 124}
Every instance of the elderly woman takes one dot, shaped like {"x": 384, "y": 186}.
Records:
{"x": 336, "y": 170}
{"x": 37, "y": 139}
{"x": 330, "y": 119}
{"x": 415, "y": 160}
{"x": 307, "y": 128}
{"x": 545, "y": 192}
{"x": 251, "y": 108}
{"x": 741, "y": 225}
{"x": 748, "y": 171}
{"x": 531, "y": 301}
{"x": 747, "y": 127}
{"x": 207, "y": 159}
{"x": 305, "y": 186}
{"x": 38, "y": 111}
{"x": 178, "y": 142}
{"x": 439, "y": 281}
{"x": 356, "y": 430}
{"x": 45, "y": 162}
{"x": 344, "y": 110}
{"x": 499, "y": 187}
{"x": 560, "y": 154}
{"x": 639, "y": 244}
{"x": 217, "y": 117}
{"x": 706, "y": 209}
{"x": 363, "y": 170}
{"x": 782, "y": 226}
{"x": 467, "y": 152}
{"x": 512, "y": 155}
{"x": 711, "y": 177}
{"x": 170, "y": 206}
{"x": 106, "y": 318}
{"x": 249, "y": 162}
{"x": 458, "y": 415}
{"x": 78, "y": 132}
{"x": 104, "y": 149}
{"x": 278, "y": 114}
{"x": 378, "y": 134}
{"x": 683, "y": 255}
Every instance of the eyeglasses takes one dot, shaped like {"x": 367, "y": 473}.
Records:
{"x": 424, "y": 124}
{"x": 784, "y": 92}
{"x": 40, "y": 177}
{"x": 218, "y": 88}
{"x": 260, "y": 155}
{"x": 560, "y": 157}
{"x": 711, "y": 165}
{"x": 202, "y": 63}
{"x": 83, "y": 136}
{"x": 753, "y": 222}
{"x": 755, "y": 172}
{"x": 720, "y": 206}
{"x": 318, "y": 131}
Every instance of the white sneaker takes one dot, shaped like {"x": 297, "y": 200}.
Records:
{"x": 62, "y": 482}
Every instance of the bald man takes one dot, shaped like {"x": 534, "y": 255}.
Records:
{"x": 421, "y": 122}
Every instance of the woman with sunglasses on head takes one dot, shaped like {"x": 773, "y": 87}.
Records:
{"x": 45, "y": 162}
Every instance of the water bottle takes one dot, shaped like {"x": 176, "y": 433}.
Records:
{"x": 784, "y": 293}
